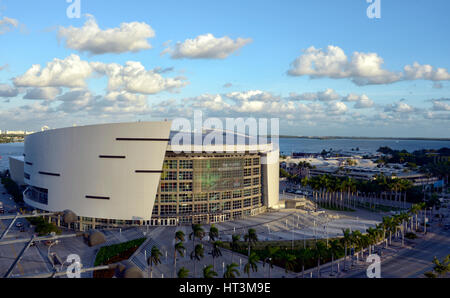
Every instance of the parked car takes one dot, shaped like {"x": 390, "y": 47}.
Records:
{"x": 19, "y": 225}
{"x": 2, "y": 211}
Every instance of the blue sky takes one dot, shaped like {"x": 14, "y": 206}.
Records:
{"x": 392, "y": 102}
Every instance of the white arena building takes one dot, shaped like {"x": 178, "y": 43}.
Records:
{"x": 122, "y": 174}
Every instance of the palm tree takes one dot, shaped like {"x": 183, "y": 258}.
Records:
{"x": 197, "y": 232}
{"x": 319, "y": 252}
{"x": 304, "y": 255}
{"x": 270, "y": 255}
{"x": 154, "y": 259}
{"x": 208, "y": 272}
{"x": 440, "y": 269}
{"x": 213, "y": 233}
{"x": 250, "y": 238}
{"x": 289, "y": 262}
{"x": 415, "y": 211}
{"x": 216, "y": 252}
{"x": 183, "y": 273}
{"x": 197, "y": 255}
{"x": 179, "y": 248}
{"x": 346, "y": 240}
{"x": 231, "y": 271}
{"x": 373, "y": 236}
{"x": 389, "y": 225}
{"x": 252, "y": 264}
{"x": 234, "y": 244}
{"x": 179, "y": 236}
{"x": 335, "y": 249}
{"x": 356, "y": 241}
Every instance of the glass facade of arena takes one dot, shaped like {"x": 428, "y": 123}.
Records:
{"x": 198, "y": 188}
{"x": 208, "y": 188}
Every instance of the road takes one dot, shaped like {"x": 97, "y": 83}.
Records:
{"x": 412, "y": 262}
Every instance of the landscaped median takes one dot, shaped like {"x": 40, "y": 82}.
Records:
{"x": 113, "y": 254}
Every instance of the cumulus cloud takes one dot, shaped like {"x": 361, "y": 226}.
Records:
{"x": 47, "y": 93}
{"x": 129, "y": 37}
{"x": 8, "y": 91}
{"x": 76, "y": 101}
{"x": 327, "y": 95}
{"x": 8, "y": 24}
{"x": 440, "y": 105}
{"x": 134, "y": 78}
{"x": 253, "y": 95}
{"x": 361, "y": 68}
{"x": 425, "y": 72}
{"x": 123, "y": 102}
{"x": 70, "y": 72}
{"x": 206, "y": 47}
{"x": 399, "y": 107}
{"x": 337, "y": 108}
{"x": 361, "y": 101}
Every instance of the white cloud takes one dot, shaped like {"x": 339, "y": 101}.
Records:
{"x": 361, "y": 68}
{"x": 253, "y": 95}
{"x": 327, "y": 95}
{"x": 48, "y": 93}
{"x": 440, "y": 106}
{"x": 399, "y": 107}
{"x": 8, "y": 91}
{"x": 7, "y": 24}
{"x": 134, "y": 78}
{"x": 71, "y": 72}
{"x": 361, "y": 101}
{"x": 207, "y": 47}
{"x": 76, "y": 101}
{"x": 337, "y": 108}
{"x": 129, "y": 37}
{"x": 425, "y": 72}
{"x": 123, "y": 102}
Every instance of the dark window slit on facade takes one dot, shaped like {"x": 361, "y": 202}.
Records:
{"x": 143, "y": 139}
{"x": 50, "y": 174}
{"x": 29, "y": 163}
{"x": 97, "y": 198}
{"x": 112, "y": 156}
{"x": 148, "y": 172}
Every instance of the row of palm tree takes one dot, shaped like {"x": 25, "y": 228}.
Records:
{"x": 198, "y": 251}
{"x": 346, "y": 192}
{"x": 354, "y": 240}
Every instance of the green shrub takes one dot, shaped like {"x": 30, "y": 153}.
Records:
{"x": 43, "y": 227}
{"x": 108, "y": 252}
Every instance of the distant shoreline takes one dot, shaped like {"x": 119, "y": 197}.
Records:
{"x": 364, "y": 138}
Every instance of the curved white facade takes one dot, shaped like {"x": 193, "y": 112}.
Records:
{"x": 101, "y": 171}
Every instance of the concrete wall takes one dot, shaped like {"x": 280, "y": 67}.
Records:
{"x": 16, "y": 166}
{"x": 74, "y": 154}
{"x": 271, "y": 178}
